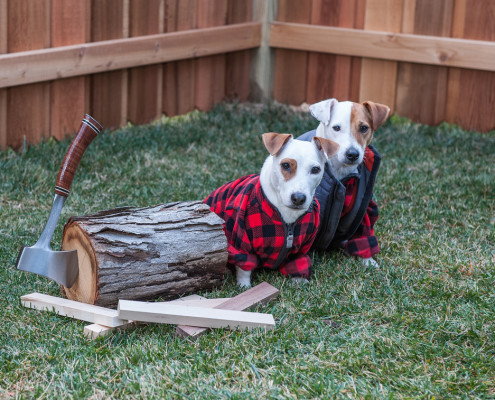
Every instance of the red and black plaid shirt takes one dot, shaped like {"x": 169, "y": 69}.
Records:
{"x": 255, "y": 230}
{"x": 363, "y": 243}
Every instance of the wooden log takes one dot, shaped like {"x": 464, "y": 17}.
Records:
{"x": 140, "y": 254}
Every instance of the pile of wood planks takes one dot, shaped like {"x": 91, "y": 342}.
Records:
{"x": 192, "y": 314}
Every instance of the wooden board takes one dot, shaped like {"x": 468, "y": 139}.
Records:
{"x": 94, "y": 331}
{"x": 3, "y": 92}
{"x": 167, "y": 313}
{"x": 109, "y": 20}
{"x": 69, "y": 97}
{"x": 145, "y": 83}
{"x": 238, "y": 63}
{"x": 210, "y": 71}
{"x": 378, "y": 77}
{"x": 470, "y": 93}
{"x": 73, "y": 309}
{"x": 422, "y": 89}
{"x": 290, "y": 75}
{"x": 262, "y": 293}
{"x": 169, "y": 70}
{"x": 28, "y": 107}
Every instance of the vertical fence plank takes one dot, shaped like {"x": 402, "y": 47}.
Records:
{"x": 68, "y": 97}
{"x": 471, "y": 94}
{"x": 356, "y": 62}
{"x": 290, "y": 76}
{"x": 3, "y": 92}
{"x": 144, "y": 19}
{"x": 422, "y": 89}
{"x": 170, "y": 73}
{"x": 329, "y": 75}
{"x": 210, "y": 71}
{"x": 28, "y": 107}
{"x": 107, "y": 91}
{"x": 238, "y": 63}
{"x": 379, "y": 77}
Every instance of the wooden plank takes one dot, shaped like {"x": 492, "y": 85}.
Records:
{"x": 108, "y": 94}
{"x": 422, "y": 89}
{"x": 262, "y": 293}
{"x": 290, "y": 75}
{"x": 196, "y": 316}
{"x": 3, "y": 92}
{"x": 471, "y": 92}
{"x": 210, "y": 71}
{"x": 72, "y": 309}
{"x": 28, "y": 108}
{"x": 238, "y": 63}
{"x": 356, "y": 62}
{"x": 144, "y": 17}
{"x": 378, "y": 77}
{"x": 93, "y": 58}
{"x": 465, "y": 53}
{"x": 169, "y": 70}
{"x": 69, "y": 97}
{"x": 94, "y": 331}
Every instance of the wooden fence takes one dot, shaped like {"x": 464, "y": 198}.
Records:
{"x": 134, "y": 60}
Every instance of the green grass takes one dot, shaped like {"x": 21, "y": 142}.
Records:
{"x": 421, "y": 326}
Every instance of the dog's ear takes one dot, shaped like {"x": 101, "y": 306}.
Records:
{"x": 323, "y": 110}
{"x": 379, "y": 113}
{"x": 329, "y": 147}
{"x": 275, "y": 141}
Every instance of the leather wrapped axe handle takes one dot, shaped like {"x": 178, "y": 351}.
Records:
{"x": 89, "y": 129}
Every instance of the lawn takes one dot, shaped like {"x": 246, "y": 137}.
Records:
{"x": 420, "y": 326}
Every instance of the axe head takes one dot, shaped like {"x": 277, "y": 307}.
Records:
{"x": 60, "y": 266}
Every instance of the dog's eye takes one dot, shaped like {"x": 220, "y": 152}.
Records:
{"x": 336, "y": 128}
{"x": 285, "y": 166}
{"x": 315, "y": 170}
{"x": 363, "y": 128}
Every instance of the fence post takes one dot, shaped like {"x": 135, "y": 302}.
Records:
{"x": 3, "y": 92}
{"x": 263, "y": 61}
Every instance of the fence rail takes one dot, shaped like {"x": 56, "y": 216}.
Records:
{"x": 134, "y": 60}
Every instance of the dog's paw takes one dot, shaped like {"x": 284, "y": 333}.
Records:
{"x": 243, "y": 278}
{"x": 299, "y": 280}
{"x": 370, "y": 262}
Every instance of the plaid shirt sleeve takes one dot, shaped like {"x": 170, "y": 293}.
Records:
{"x": 363, "y": 243}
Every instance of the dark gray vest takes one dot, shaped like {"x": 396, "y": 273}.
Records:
{"x": 331, "y": 196}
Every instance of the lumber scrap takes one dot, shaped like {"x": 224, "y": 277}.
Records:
{"x": 143, "y": 254}
{"x": 73, "y": 309}
{"x": 196, "y": 316}
{"x": 260, "y": 294}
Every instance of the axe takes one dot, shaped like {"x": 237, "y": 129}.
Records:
{"x": 60, "y": 266}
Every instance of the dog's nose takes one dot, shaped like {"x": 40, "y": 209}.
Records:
{"x": 352, "y": 154}
{"x": 298, "y": 198}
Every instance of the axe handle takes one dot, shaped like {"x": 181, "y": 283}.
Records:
{"x": 88, "y": 130}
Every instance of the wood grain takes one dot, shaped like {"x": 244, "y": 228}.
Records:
{"x": 69, "y": 98}
{"x": 3, "y": 92}
{"x": 262, "y": 293}
{"x": 169, "y": 70}
{"x": 167, "y": 313}
{"x": 210, "y": 70}
{"x": 378, "y": 77}
{"x": 144, "y": 82}
{"x": 73, "y": 309}
{"x": 28, "y": 107}
{"x": 290, "y": 75}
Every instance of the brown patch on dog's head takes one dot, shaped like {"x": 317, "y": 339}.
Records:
{"x": 365, "y": 119}
{"x": 379, "y": 113}
{"x": 275, "y": 141}
{"x": 329, "y": 147}
{"x": 288, "y": 166}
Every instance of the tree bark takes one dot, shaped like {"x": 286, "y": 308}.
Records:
{"x": 146, "y": 253}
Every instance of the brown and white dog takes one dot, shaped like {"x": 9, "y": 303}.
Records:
{"x": 351, "y": 125}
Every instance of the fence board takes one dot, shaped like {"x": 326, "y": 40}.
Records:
{"x": 143, "y": 90}
{"x": 69, "y": 97}
{"x": 108, "y": 89}
{"x": 422, "y": 89}
{"x": 356, "y": 62}
{"x": 28, "y": 114}
{"x": 290, "y": 75}
{"x": 210, "y": 71}
{"x": 170, "y": 73}
{"x": 471, "y": 93}
{"x": 3, "y": 92}
{"x": 379, "y": 78}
